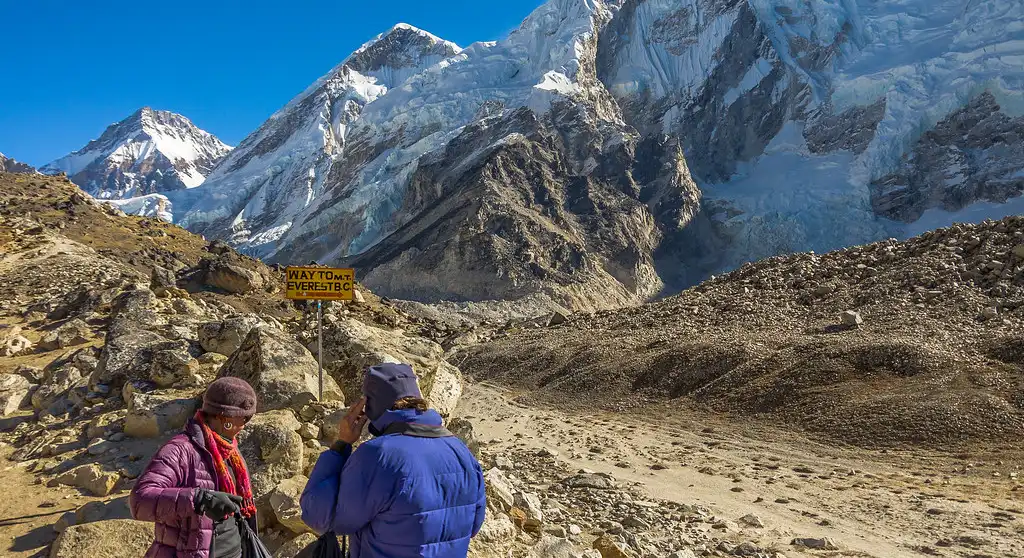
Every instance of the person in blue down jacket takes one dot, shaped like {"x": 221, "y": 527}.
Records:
{"x": 412, "y": 490}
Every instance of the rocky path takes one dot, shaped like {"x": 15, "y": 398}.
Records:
{"x": 765, "y": 488}
{"x": 29, "y": 510}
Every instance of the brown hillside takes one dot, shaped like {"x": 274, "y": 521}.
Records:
{"x": 938, "y": 359}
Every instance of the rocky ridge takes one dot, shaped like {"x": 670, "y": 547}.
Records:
{"x": 888, "y": 343}
{"x": 8, "y": 164}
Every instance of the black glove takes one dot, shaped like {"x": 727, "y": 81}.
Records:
{"x": 216, "y": 505}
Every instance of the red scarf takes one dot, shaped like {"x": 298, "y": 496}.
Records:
{"x": 225, "y": 453}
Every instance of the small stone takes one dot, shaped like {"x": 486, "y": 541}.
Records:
{"x": 990, "y": 313}
{"x": 746, "y": 549}
{"x": 823, "y": 543}
{"x": 852, "y": 318}
{"x": 309, "y": 431}
{"x": 545, "y": 452}
{"x": 99, "y": 447}
{"x": 610, "y": 548}
{"x": 752, "y": 520}
{"x": 634, "y": 522}
{"x": 554, "y": 530}
{"x": 575, "y": 530}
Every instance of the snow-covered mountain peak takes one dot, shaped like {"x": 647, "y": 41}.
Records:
{"x": 149, "y": 151}
{"x": 393, "y": 56}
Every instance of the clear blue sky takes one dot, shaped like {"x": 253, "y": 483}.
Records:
{"x": 70, "y": 68}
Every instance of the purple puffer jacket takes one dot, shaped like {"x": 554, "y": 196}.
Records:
{"x": 164, "y": 494}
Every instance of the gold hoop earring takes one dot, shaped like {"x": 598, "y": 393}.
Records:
{"x": 229, "y": 425}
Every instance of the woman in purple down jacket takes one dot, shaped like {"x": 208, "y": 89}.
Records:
{"x": 197, "y": 482}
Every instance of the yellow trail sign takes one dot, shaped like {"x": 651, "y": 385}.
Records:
{"x": 320, "y": 283}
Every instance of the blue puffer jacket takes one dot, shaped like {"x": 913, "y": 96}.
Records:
{"x": 399, "y": 496}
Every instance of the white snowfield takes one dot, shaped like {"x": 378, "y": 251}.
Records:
{"x": 925, "y": 58}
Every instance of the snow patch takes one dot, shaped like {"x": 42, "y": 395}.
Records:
{"x": 150, "y": 205}
{"x": 754, "y": 76}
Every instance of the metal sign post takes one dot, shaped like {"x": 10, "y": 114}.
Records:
{"x": 319, "y": 284}
{"x": 320, "y": 348}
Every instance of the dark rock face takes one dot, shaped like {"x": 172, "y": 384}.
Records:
{"x": 717, "y": 125}
{"x": 976, "y": 153}
{"x": 852, "y": 130}
{"x": 402, "y": 47}
{"x": 549, "y": 208}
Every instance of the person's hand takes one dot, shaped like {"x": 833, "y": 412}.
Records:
{"x": 216, "y": 505}
{"x": 351, "y": 426}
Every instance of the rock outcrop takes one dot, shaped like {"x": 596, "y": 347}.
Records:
{"x": 351, "y": 346}
{"x": 15, "y": 392}
{"x": 273, "y": 450}
{"x": 283, "y": 373}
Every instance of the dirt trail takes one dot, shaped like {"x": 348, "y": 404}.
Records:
{"x": 29, "y": 510}
{"x": 883, "y": 504}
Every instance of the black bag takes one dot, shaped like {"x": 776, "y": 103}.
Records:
{"x": 325, "y": 547}
{"x": 252, "y": 547}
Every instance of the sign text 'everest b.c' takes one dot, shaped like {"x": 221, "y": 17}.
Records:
{"x": 320, "y": 283}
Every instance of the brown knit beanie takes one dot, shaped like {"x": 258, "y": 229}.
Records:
{"x": 229, "y": 397}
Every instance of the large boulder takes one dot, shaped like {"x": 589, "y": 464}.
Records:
{"x": 284, "y": 500}
{"x": 350, "y": 347}
{"x": 15, "y": 392}
{"x": 273, "y": 450}
{"x": 56, "y": 384}
{"x": 71, "y": 333}
{"x": 232, "y": 278}
{"x": 102, "y": 511}
{"x": 500, "y": 493}
{"x": 170, "y": 367}
{"x": 90, "y": 478}
{"x": 226, "y": 336}
{"x": 152, "y": 414}
{"x": 132, "y": 310}
{"x": 119, "y": 538}
{"x": 283, "y": 372}
{"x": 164, "y": 282}
{"x": 129, "y": 356}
